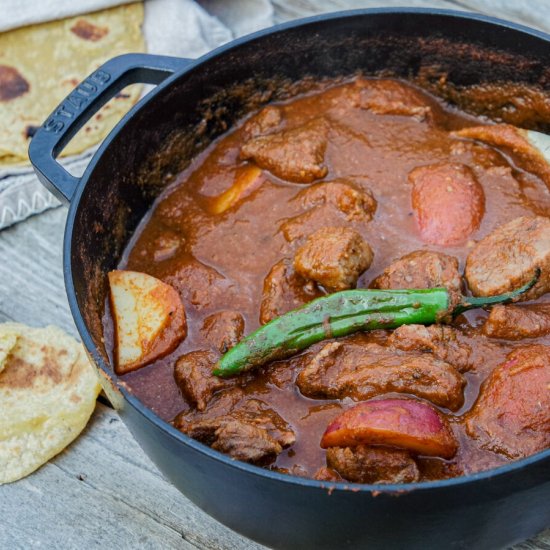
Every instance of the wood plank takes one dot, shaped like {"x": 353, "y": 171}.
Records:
{"x": 31, "y": 272}
{"x": 103, "y": 491}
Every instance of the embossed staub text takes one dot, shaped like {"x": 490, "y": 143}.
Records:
{"x": 77, "y": 101}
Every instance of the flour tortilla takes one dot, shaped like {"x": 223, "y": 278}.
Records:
{"x": 48, "y": 390}
{"x": 41, "y": 64}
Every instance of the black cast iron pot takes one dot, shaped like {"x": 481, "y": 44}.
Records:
{"x": 195, "y": 102}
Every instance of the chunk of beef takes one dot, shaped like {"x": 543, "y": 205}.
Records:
{"x": 223, "y": 329}
{"x": 334, "y": 203}
{"x": 245, "y": 429}
{"x": 512, "y": 413}
{"x": 423, "y": 269}
{"x": 193, "y": 375}
{"x": 285, "y": 290}
{"x": 391, "y": 97}
{"x": 159, "y": 243}
{"x": 221, "y": 404}
{"x": 514, "y": 140}
{"x": 355, "y": 202}
{"x": 448, "y": 202}
{"x": 365, "y": 464}
{"x": 334, "y": 257}
{"x": 508, "y": 257}
{"x": 517, "y": 322}
{"x": 198, "y": 284}
{"x": 240, "y": 440}
{"x": 444, "y": 342}
{"x": 244, "y": 441}
{"x": 295, "y": 155}
{"x": 345, "y": 369}
{"x": 327, "y": 474}
{"x": 267, "y": 119}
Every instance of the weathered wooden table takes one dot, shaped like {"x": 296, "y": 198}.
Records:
{"x": 103, "y": 492}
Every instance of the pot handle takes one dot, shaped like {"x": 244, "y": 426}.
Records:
{"x": 81, "y": 104}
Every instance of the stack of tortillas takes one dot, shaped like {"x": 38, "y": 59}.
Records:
{"x": 48, "y": 390}
{"x": 41, "y": 64}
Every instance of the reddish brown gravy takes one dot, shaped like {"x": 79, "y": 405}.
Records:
{"x": 244, "y": 242}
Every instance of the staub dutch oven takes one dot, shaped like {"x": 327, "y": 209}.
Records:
{"x": 194, "y": 102}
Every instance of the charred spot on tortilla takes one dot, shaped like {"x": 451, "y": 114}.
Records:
{"x": 30, "y": 130}
{"x": 87, "y": 31}
{"x": 12, "y": 83}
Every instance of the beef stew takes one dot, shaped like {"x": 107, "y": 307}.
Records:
{"x": 370, "y": 183}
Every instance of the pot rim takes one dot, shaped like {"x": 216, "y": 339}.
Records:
{"x": 165, "y": 426}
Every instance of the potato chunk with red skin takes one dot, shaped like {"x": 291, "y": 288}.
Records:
{"x": 512, "y": 413}
{"x": 402, "y": 423}
{"x": 334, "y": 257}
{"x": 149, "y": 319}
{"x": 448, "y": 202}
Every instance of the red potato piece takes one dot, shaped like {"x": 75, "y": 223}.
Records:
{"x": 149, "y": 319}
{"x": 403, "y": 423}
{"x": 448, "y": 202}
{"x": 511, "y": 416}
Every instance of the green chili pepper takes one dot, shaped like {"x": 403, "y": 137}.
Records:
{"x": 344, "y": 313}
